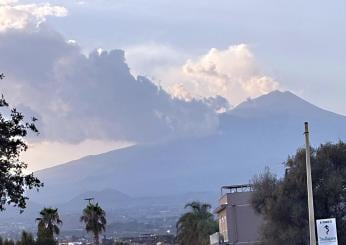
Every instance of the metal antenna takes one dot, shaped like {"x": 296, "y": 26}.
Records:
{"x": 89, "y": 199}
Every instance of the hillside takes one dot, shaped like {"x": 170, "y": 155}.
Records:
{"x": 257, "y": 133}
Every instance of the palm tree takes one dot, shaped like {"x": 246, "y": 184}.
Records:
{"x": 195, "y": 226}
{"x": 94, "y": 218}
{"x": 48, "y": 225}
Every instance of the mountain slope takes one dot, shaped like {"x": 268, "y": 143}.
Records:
{"x": 257, "y": 133}
{"x": 277, "y": 103}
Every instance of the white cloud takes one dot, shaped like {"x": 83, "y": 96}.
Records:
{"x": 79, "y": 97}
{"x": 151, "y": 58}
{"x": 177, "y": 90}
{"x": 21, "y": 16}
{"x": 232, "y": 73}
{"x": 5, "y": 2}
{"x": 72, "y": 42}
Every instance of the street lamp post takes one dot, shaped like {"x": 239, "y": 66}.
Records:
{"x": 309, "y": 188}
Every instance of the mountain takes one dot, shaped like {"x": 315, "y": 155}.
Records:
{"x": 257, "y": 133}
{"x": 111, "y": 199}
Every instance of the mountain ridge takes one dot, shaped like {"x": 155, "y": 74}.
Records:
{"x": 287, "y": 99}
{"x": 232, "y": 112}
{"x": 257, "y": 133}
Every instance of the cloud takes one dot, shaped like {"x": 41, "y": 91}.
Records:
{"x": 6, "y": 2}
{"x": 151, "y": 58}
{"x": 24, "y": 16}
{"x": 232, "y": 73}
{"x": 79, "y": 97}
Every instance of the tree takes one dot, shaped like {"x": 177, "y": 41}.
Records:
{"x": 195, "y": 226}
{"x": 94, "y": 218}
{"x": 283, "y": 201}
{"x": 26, "y": 239}
{"x": 8, "y": 242}
{"x": 48, "y": 225}
{"x": 13, "y": 182}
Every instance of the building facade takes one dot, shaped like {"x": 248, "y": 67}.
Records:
{"x": 238, "y": 222}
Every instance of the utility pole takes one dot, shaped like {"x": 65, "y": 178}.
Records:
{"x": 309, "y": 188}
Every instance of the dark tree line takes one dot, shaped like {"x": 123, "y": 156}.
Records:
{"x": 13, "y": 181}
{"x": 283, "y": 201}
{"x": 26, "y": 239}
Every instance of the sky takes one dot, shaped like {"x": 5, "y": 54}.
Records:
{"x": 107, "y": 74}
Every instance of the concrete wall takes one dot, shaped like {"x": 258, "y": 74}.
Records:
{"x": 223, "y": 224}
{"x": 243, "y": 223}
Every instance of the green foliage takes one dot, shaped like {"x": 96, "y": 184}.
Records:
{"x": 8, "y": 242}
{"x": 47, "y": 226}
{"x": 195, "y": 226}
{"x": 26, "y": 239}
{"x": 13, "y": 182}
{"x": 283, "y": 201}
{"x": 94, "y": 218}
{"x": 46, "y": 241}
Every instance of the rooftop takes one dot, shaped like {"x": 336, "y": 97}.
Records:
{"x": 236, "y": 188}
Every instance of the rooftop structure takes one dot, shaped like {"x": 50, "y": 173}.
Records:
{"x": 236, "y": 188}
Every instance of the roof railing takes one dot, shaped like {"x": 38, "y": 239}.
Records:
{"x": 236, "y": 188}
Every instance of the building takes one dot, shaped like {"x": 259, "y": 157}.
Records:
{"x": 149, "y": 239}
{"x": 238, "y": 222}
